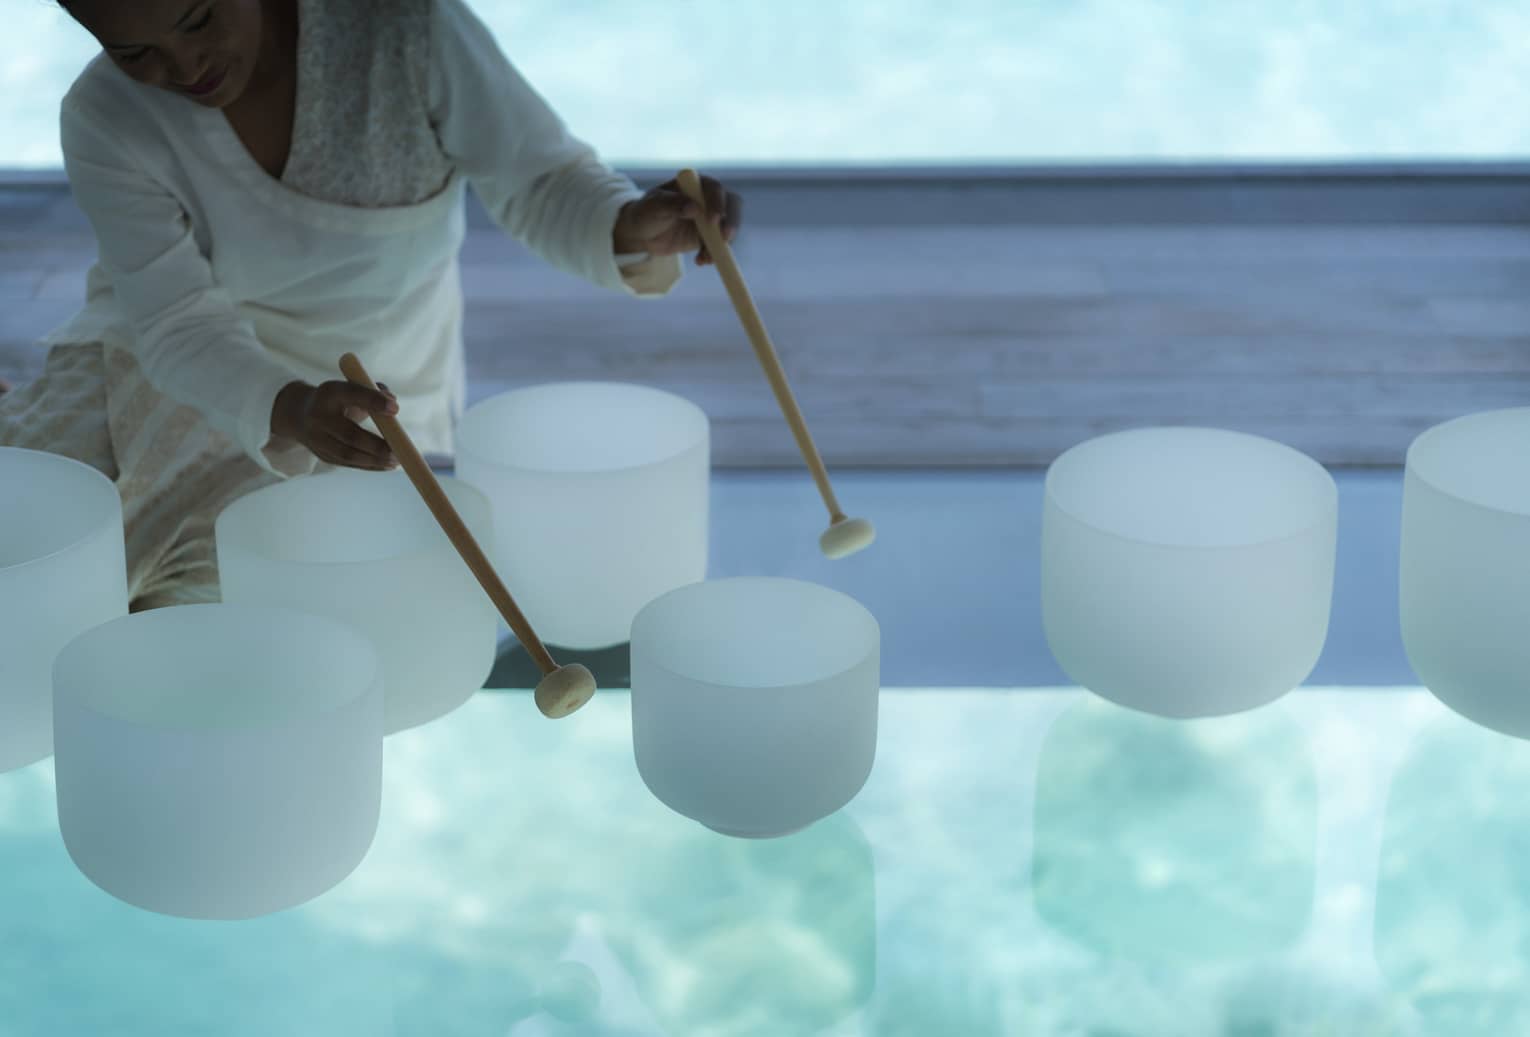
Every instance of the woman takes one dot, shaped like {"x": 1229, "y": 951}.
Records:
{"x": 273, "y": 183}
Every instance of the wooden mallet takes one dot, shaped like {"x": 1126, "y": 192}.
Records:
{"x": 845, "y": 536}
{"x": 562, "y": 689}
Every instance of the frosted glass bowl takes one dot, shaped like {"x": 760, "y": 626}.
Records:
{"x": 218, "y": 761}
{"x": 1187, "y": 571}
{"x": 63, "y": 570}
{"x": 1465, "y": 566}
{"x": 754, "y": 702}
{"x": 600, "y": 501}
{"x": 363, "y": 548}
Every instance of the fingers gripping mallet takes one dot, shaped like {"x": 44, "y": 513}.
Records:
{"x": 562, "y": 689}
{"x": 844, "y": 536}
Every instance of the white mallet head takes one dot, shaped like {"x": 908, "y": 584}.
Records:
{"x": 565, "y": 690}
{"x": 846, "y": 537}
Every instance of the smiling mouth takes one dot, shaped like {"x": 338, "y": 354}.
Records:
{"x": 207, "y": 84}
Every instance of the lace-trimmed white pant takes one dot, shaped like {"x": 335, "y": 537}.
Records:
{"x": 175, "y": 472}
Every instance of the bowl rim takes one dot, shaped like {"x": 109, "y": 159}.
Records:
{"x": 873, "y": 654}
{"x": 1327, "y": 517}
{"x": 1423, "y": 440}
{"x": 449, "y": 484}
{"x": 95, "y": 531}
{"x": 372, "y": 684}
{"x": 693, "y": 410}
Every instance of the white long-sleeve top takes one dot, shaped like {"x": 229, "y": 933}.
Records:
{"x": 226, "y": 283}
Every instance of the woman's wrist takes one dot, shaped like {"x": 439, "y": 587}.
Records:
{"x": 623, "y": 240}
{"x": 287, "y": 409}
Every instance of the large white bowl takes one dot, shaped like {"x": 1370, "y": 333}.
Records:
{"x": 63, "y": 570}
{"x": 218, "y": 761}
{"x": 754, "y": 702}
{"x": 1465, "y": 566}
{"x": 1187, "y": 571}
{"x": 600, "y": 501}
{"x": 363, "y": 548}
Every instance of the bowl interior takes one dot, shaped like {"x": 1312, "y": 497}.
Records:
{"x": 1192, "y": 487}
{"x": 216, "y": 667}
{"x": 1483, "y": 459}
{"x": 51, "y": 503}
{"x": 581, "y": 427}
{"x": 755, "y": 633}
{"x": 344, "y": 517}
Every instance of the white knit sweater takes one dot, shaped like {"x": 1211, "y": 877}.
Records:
{"x": 227, "y": 283}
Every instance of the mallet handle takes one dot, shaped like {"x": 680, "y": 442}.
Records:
{"x": 451, "y": 523}
{"x": 754, "y": 327}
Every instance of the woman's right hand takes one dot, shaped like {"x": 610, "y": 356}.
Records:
{"x": 327, "y": 420}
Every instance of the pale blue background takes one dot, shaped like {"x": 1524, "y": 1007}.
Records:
{"x": 915, "y": 81}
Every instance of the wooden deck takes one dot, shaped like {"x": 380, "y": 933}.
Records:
{"x": 916, "y": 343}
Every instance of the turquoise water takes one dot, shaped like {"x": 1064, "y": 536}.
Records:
{"x": 1007, "y": 81}
{"x": 1342, "y": 862}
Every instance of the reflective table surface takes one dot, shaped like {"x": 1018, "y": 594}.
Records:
{"x": 1036, "y": 861}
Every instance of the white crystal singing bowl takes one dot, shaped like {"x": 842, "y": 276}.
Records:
{"x": 1187, "y": 571}
{"x": 218, "y": 761}
{"x": 599, "y": 493}
{"x": 363, "y": 548}
{"x": 1465, "y": 566}
{"x": 754, "y": 702}
{"x": 62, "y": 571}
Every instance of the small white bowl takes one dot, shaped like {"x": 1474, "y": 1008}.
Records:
{"x": 754, "y": 702}
{"x": 363, "y": 548}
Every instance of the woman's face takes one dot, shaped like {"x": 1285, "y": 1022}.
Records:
{"x": 204, "y": 50}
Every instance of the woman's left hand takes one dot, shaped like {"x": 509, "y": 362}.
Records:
{"x": 663, "y": 221}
